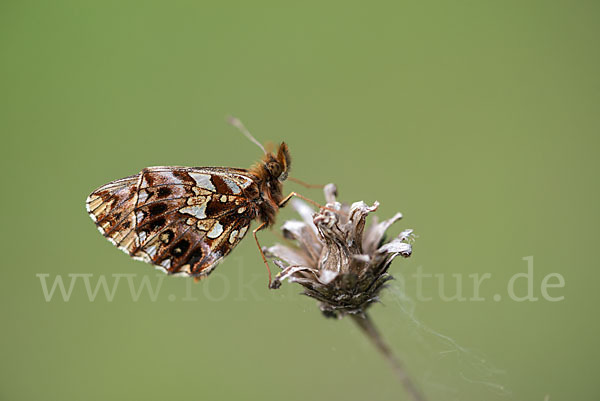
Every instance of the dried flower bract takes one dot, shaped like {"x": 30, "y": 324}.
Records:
{"x": 339, "y": 260}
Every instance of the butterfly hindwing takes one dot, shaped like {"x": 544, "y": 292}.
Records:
{"x": 110, "y": 206}
{"x": 184, "y": 220}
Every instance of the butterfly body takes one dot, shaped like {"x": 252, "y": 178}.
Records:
{"x": 184, "y": 220}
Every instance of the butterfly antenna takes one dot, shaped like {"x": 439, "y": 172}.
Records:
{"x": 238, "y": 124}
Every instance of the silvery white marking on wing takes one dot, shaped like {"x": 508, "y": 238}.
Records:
{"x": 245, "y": 181}
{"x": 144, "y": 182}
{"x": 216, "y": 231}
{"x": 232, "y": 185}
{"x": 142, "y": 196}
{"x": 196, "y": 211}
{"x": 141, "y": 256}
{"x": 159, "y": 267}
{"x": 151, "y": 250}
{"x": 170, "y": 178}
{"x": 203, "y": 181}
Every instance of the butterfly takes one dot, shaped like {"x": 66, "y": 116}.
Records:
{"x": 185, "y": 220}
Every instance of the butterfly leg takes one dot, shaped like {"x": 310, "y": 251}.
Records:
{"x": 312, "y": 202}
{"x": 291, "y": 195}
{"x": 260, "y": 227}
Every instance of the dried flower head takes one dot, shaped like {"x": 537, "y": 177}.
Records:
{"x": 338, "y": 260}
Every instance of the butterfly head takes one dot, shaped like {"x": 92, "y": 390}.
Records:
{"x": 273, "y": 167}
{"x": 277, "y": 166}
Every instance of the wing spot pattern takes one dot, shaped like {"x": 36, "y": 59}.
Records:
{"x": 216, "y": 231}
{"x": 203, "y": 181}
{"x": 197, "y": 211}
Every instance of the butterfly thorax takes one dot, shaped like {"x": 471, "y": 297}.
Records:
{"x": 271, "y": 171}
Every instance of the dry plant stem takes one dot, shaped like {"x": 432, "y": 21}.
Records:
{"x": 366, "y": 324}
{"x": 342, "y": 263}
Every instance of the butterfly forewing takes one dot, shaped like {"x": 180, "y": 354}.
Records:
{"x": 181, "y": 219}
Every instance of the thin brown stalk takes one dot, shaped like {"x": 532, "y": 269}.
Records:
{"x": 366, "y": 324}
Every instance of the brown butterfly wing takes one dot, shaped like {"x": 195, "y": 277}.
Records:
{"x": 183, "y": 220}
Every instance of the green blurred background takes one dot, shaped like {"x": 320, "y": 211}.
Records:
{"x": 478, "y": 120}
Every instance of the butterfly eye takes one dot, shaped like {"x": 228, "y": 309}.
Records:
{"x": 274, "y": 169}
